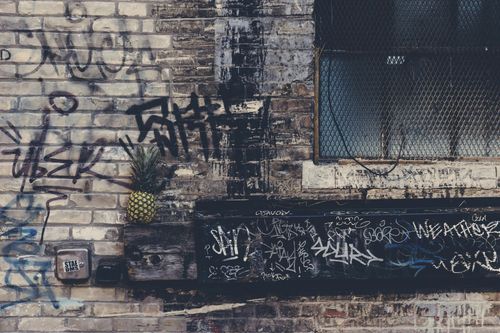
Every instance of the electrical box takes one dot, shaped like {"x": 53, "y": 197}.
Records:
{"x": 109, "y": 271}
{"x": 73, "y": 264}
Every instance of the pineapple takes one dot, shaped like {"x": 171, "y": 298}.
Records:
{"x": 146, "y": 184}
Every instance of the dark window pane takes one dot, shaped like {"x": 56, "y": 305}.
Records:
{"x": 414, "y": 106}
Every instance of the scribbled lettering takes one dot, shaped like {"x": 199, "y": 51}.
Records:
{"x": 344, "y": 253}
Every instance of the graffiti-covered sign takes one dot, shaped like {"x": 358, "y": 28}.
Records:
{"x": 274, "y": 241}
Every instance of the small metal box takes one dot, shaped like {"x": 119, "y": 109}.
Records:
{"x": 109, "y": 271}
{"x": 73, "y": 264}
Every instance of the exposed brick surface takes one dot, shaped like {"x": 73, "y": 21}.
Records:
{"x": 70, "y": 70}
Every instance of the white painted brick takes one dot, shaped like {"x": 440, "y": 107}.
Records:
{"x": 7, "y": 71}
{"x": 75, "y": 88}
{"x": 63, "y": 24}
{"x": 47, "y": 71}
{"x": 70, "y": 216}
{"x": 108, "y": 217}
{"x": 30, "y": 56}
{"x": 55, "y": 233}
{"x": 47, "y": 324}
{"x": 14, "y": 23}
{"x": 84, "y": 135}
{"x": 8, "y": 103}
{"x": 155, "y": 41}
{"x": 7, "y": 38}
{"x": 95, "y": 233}
{"x": 72, "y": 120}
{"x": 115, "y": 121}
{"x": 108, "y": 248}
{"x": 133, "y": 9}
{"x": 118, "y": 89}
{"x": 22, "y": 119}
{"x": 94, "y": 200}
{"x": 105, "y": 186}
{"x": 148, "y": 25}
{"x": 54, "y": 8}
{"x": 7, "y": 7}
{"x": 107, "y": 309}
{"x": 116, "y": 25}
{"x": 99, "y": 8}
{"x": 93, "y": 294}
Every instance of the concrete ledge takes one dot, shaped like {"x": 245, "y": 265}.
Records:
{"x": 445, "y": 174}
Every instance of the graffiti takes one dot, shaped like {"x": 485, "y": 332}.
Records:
{"x": 228, "y": 272}
{"x": 463, "y": 229}
{"x": 387, "y": 233}
{"x": 65, "y": 98}
{"x": 23, "y": 255}
{"x": 183, "y": 120}
{"x": 244, "y": 140}
{"x": 30, "y": 168}
{"x": 242, "y": 53}
{"x": 5, "y": 54}
{"x": 310, "y": 243}
{"x": 345, "y": 253}
{"x": 228, "y": 243}
{"x": 470, "y": 262}
{"x": 86, "y": 57}
{"x": 272, "y": 212}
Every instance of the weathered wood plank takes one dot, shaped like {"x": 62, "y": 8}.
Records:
{"x": 160, "y": 252}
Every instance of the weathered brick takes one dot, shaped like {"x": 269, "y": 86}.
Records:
{"x": 89, "y": 324}
{"x": 99, "y": 8}
{"x": 67, "y": 308}
{"x": 173, "y": 324}
{"x": 7, "y": 71}
{"x": 107, "y": 309}
{"x": 8, "y": 325}
{"x": 94, "y": 200}
{"x": 7, "y": 7}
{"x": 108, "y": 248}
{"x": 265, "y": 311}
{"x": 70, "y": 216}
{"x": 20, "y": 88}
{"x": 7, "y": 294}
{"x": 80, "y": 136}
{"x": 21, "y": 310}
{"x": 129, "y": 324}
{"x": 133, "y": 9}
{"x": 73, "y": 120}
{"x": 13, "y": 23}
{"x": 63, "y": 24}
{"x": 93, "y": 294}
{"x": 95, "y": 233}
{"x": 115, "y": 121}
{"x": 41, "y": 7}
{"x": 56, "y": 233}
{"x": 116, "y": 25}
{"x": 289, "y": 311}
{"x": 108, "y": 217}
{"x": 45, "y": 324}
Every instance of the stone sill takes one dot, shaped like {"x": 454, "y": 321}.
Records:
{"x": 346, "y": 174}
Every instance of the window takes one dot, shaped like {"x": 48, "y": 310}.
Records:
{"x": 409, "y": 79}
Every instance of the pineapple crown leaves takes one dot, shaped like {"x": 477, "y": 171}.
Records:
{"x": 147, "y": 170}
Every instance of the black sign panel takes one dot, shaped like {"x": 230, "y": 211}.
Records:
{"x": 275, "y": 241}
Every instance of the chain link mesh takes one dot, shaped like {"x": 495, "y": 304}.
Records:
{"x": 411, "y": 79}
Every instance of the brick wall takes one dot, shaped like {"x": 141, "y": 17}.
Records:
{"x": 70, "y": 71}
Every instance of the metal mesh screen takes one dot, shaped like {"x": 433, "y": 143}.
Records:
{"x": 412, "y": 79}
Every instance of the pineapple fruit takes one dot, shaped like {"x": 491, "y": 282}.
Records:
{"x": 146, "y": 184}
